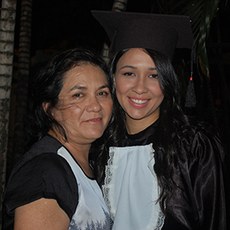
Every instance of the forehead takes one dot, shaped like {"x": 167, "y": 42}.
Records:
{"x": 87, "y": 76}
{"x": 136, "y": 56}
{"x": 85, "y": 72}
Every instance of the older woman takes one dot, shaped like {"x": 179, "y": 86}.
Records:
{"x": 53, "y": 186}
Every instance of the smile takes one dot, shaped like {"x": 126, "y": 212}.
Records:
{"x": 138, "y": 101}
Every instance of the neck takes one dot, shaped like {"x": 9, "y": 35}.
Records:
{"x": 134, "y": 126}
{"x": 80, "y": 151}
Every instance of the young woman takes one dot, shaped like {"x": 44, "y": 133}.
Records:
{"x": 163, "y": 171}
{"x": 53, "y": 186}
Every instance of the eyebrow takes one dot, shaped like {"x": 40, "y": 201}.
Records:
{"x": 84, "y": 88}
{"x": 134, "y": 67}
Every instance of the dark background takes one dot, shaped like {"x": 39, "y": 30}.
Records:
{"x": 69, "y": 23}
{"x": 61, "y": 24}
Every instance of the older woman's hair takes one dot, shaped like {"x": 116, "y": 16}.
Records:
{"x": 49, "y": 81}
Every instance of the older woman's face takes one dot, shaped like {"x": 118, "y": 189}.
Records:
{"x": 85, "y": 103}
{"x": 138, "y": 89}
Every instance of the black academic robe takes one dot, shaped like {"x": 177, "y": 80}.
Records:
{"x": 198, "y": 203}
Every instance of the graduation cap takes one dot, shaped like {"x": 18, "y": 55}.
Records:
{"x": 162, "y": 33}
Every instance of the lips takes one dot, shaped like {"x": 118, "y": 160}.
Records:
{"x": 138, "y": 101}
{"x": 97, "y": 119}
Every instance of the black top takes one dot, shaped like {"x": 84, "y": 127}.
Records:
{"x": 40, "y": 174}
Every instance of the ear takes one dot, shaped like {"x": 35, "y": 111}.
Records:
{"x": 45, "y": 106}
{"x": 114, "y": 81}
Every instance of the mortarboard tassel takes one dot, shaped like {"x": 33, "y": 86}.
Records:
{"x": 190, "y": 98}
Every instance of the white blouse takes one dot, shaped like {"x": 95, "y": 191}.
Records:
{"x": 92, "y": 212}
{"x": 131, "y": 189}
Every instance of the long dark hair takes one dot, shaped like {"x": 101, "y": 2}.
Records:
{"x": 170, "y": 120}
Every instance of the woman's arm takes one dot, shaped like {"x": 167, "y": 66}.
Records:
{"x": 42, "y": 214}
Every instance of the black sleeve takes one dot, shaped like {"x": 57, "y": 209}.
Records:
{"x": 45, "y": 176}
{"x": 199, "y": 200}
{"x": 207, "y": 180}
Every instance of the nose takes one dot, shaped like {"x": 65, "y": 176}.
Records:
{"x": 140, "y": 85}
{"x": 93, "y": 105}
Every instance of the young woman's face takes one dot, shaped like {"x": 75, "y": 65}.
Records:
{"x": 138, "y": 89}
{"x": 85, "y": 104}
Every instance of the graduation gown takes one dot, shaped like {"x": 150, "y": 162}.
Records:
{"x": 131, "y": 188}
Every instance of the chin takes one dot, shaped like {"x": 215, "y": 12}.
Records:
{"x": 95, "y": 136}
{"x": 136, "y": 116}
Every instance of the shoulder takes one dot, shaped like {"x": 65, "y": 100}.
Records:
{"x": 39, "y": 175}
{"x": 42, "y": 159}
{"x": 200, "y": 140}
{"x": 47, "y": 166}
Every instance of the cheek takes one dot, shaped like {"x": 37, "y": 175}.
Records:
{"x": 67, "y": 105}
{"x": 122, "y": 87}
{"x": 75, "y": 112}
{"x": 159, "y": 93}
{"x": 67, "y": 113}
{"x": 156, "y": 89}
{"x": 107, "y": 107}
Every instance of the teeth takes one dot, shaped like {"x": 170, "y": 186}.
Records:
{"x": 139, "y": 101}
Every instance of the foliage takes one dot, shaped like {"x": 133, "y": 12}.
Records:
{"x": 201, "y": 12}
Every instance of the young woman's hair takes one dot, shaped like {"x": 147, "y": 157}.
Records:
{"x": 171, "y": 117}
{"x": 49, "y": 82}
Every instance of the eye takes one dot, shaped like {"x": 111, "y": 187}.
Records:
{"x": 155, "y": 76}
{"x": 78, "y": 95}
{"x": 128, "y": 74}
{"x": 104, "y": 93}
